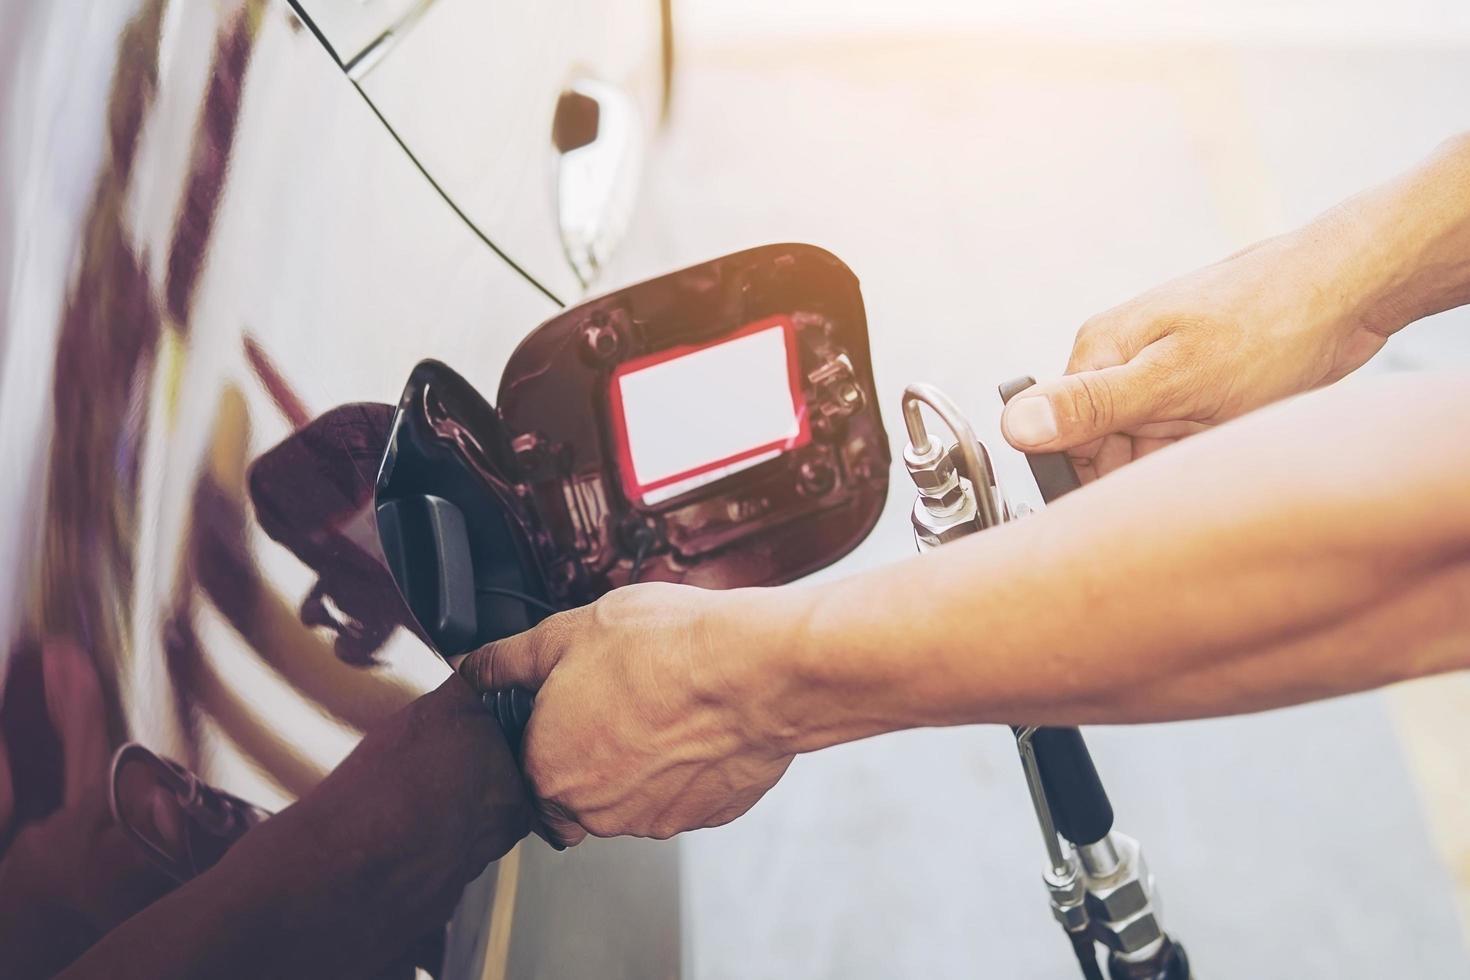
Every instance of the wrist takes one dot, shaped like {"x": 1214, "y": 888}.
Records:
{"x": 819, "y": 672}
{"x": 1404, "y": 246}
{"x": 1350, "y": 278}
{"x": 761, "y": 636}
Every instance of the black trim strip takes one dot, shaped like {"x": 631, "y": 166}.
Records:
{"x": 317, "y": 31}
{"x": 450, "y": 201}
{"x": 443, "y": 194}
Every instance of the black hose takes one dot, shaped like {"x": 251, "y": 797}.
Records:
{"x": 529, "y": 600}
{"x": 1086, "y": 954}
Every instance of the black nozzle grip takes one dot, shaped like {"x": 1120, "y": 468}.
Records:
{"x": 1053, "y": 471}
{"x": 511, "y": 707}
{"x": 1079, "y": 804}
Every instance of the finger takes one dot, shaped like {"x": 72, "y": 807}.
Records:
{"x": 1177, "y": 429}
{"x": 1086, "y": 451}
{"x": 1102, "y": 456}
{"x": 523, "y": 660}
{"x": 556, "y": 828}
{"x": 1102, "y": 344}
{"x": 1142, "y": 447}
{"x": 1116, "y": 452}
{"x": 1086, "y": 472}
{"x": 1079, "y": 408}
{"x": 563, "y": 835}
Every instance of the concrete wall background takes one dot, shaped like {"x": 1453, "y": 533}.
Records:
{"x": 995, "y": 174}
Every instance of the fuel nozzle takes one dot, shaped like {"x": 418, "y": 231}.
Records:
{"x": 1120, "y": 906}
{"x": 1101, "y": 891}
{"x": 957, "y": 492}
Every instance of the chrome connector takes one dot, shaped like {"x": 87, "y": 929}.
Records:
{"x": 932, "y": 470}
{"x": 1121, "y": 897}
{"x": 945, "y": 508}
{"x": 1068, "y": 897}
{"x": 957, "y": 493}
{"x": 1064, "y": 878}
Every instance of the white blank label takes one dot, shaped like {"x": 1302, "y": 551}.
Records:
{"x": 704, "y": 412}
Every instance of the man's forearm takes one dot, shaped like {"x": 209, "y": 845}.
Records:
{"x": 1318, "y": 549}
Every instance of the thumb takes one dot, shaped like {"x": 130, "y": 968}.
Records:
{"x": 523, "y": 660}
{"x": 556, "y": 826}
{"x": 1078, "y": 408}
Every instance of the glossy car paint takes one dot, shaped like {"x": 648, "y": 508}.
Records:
{"x": 209, "y": 239}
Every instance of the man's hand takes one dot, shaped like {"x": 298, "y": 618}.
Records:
{"x": 647, "y": 718}
{"x": 1287, "y": 315}
{"x": 1264, "y": 324}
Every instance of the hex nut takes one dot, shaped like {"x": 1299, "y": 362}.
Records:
{"x": 1122, "y": 900}
{"x": 955, "y": 531}
{"x": 932, "y": 471}
{"x": 941, "y": 529}
{"x": 948, "y": 497}
{"x": 1136, "y": 933}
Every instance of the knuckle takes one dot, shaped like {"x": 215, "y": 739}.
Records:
{"x": 553, "y": 634}
{"x": 658, "y": 590}
{"x": 540, "y": 776}
{"x": 1093, "y": 329}
{"x": 549, "y": 632}
{"x": 1190, "y": 332}
{"x": 613, "y": 606}
{"x": 541, "y": 787}
{"x": 1099, "y": 342}
{"x": 1090, "y": 336}
{"x": 628, "y": 601}
{"x": 566, "y": 625}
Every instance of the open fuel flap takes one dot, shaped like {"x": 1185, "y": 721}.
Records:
{"x": 717, "y": 426}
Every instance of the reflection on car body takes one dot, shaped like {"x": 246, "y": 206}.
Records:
{"x": 218, "y": 265}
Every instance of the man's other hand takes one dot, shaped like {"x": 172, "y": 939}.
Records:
{"x": 1284, "y": 316}
{"x": 647, "y": 718}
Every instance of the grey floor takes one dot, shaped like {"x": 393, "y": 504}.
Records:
{"x": 992, "y": 194}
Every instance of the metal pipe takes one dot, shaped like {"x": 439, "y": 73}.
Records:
{"x": 972, "y": 458}
{"x": 1100, "y": 859}
{"x": 1060, "y": 866}
{"x": 913, "y": 420}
